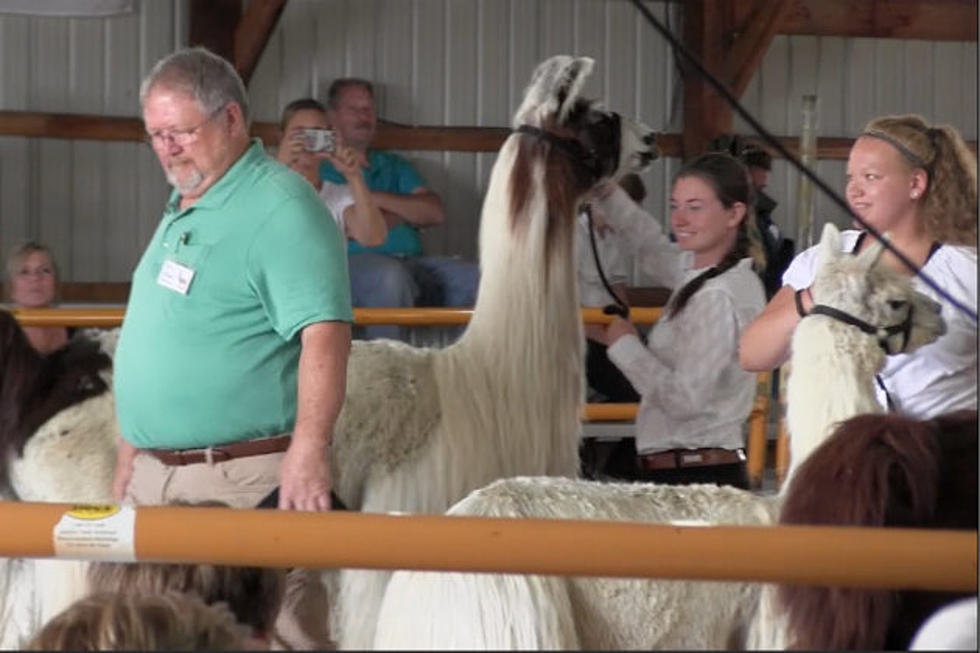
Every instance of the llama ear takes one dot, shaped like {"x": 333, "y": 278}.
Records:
{"x": 872, "y": 254}
{"x": 829, "y": 250}
{"x": 554, "y": 86}
{"x": 569, "y": 84}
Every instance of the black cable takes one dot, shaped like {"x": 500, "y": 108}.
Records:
{"x": 720, "y": 88}
{"x": 619, "y": 308}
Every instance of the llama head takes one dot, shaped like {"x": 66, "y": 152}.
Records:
{"x": 877, "y": 295}
{"x": 608, "y": 142}
{"x": 567, "y": 145}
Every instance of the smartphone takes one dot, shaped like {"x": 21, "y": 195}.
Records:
{"x": 317, "y": 140}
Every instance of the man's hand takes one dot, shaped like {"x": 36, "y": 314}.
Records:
{"x": 124, "y": 470}
{"x": 321, "y": 381}
{"x": 617, "y": 329}
{"x": 305, "y": 478}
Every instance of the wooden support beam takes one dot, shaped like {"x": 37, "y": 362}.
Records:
{"x": 751, "y": 45}
{"x": 706, "y": 114}
{"x": 252, "y": 34}
{"x": 72, "y": 126}
{"x": 931, "y": 20}
{"x": 212, "y": 24}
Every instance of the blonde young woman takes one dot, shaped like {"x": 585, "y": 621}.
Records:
{"x": 694, "y": 395}
{"x": 32, "y": 282}
{"x": 918, "y": 183}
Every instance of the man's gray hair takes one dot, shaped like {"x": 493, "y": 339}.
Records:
{"x": 201, "y": 74}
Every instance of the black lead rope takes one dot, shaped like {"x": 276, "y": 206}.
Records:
{"x": 720, "y": 88}
{"x": 619, "y": 308}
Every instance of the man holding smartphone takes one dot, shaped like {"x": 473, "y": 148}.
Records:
{"x": 394, "y": 273}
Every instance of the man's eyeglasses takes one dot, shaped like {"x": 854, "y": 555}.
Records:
{"x": 180, "y": 137}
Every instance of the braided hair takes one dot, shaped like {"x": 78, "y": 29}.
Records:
{"x": 729, "y": 179}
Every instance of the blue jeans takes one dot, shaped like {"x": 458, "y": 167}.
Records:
{"x": 380, "y": 280}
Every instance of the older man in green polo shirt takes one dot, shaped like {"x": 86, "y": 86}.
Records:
{"x": 231, "y": 365}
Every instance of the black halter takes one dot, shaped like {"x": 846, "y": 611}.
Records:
{"x": 881, "y": 333}
{"x": 588, "y": 158}
{"x": 573, "y": 149}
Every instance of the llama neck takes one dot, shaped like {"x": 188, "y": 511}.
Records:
{"x": 831, "y": 380}
{"x": 518, "y": 368}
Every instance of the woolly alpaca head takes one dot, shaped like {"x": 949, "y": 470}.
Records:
{"x": 876, "y": 294}
{"x": 826, "y": 347}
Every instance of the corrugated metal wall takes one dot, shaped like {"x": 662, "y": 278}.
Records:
{"x": 436, "y": 62}
{"x": 855, "y": 80}
{"x": 452, "y": 62}
{"x": 94, "y": 203}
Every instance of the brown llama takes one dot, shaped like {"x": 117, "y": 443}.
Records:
{"x": 880, "y": 471}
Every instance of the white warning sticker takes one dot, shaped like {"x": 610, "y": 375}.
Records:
{"x": 96, "y": 532}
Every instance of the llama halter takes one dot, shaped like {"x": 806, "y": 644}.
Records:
{"x": 585, "y": 156}
{"x": 589, "y": 159}
{"x": 882, "y": 334}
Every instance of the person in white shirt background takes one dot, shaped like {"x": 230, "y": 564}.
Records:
{"x": 695, "y": 397}
{"x": 918, "y": 183}
{"x": 351, "y": 204}
{"x": 605, "y": 381}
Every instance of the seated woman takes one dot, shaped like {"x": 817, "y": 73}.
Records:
{"x": 919, "y": 184}
{"x": 695, "y": 397}
{"x": 351, "y": 205}
{"x": 32, "y": 282}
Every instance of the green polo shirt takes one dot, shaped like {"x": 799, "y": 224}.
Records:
{"x": 219, "y": 363}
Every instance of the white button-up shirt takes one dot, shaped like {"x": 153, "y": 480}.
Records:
{"x": 693, "y": 391}
{"x": 942, "y": 376}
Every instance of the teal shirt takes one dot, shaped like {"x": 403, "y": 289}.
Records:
{"x": 219, "y": 363}
{"x": 389, "y": 173}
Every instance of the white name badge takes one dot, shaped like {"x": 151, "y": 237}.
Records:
{"x": 175, "y": 276}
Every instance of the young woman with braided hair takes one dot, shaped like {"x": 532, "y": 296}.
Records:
{"x": 918, "y": 183}
{"x": 694, "y": 395}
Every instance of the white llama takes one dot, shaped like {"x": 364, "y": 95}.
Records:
{"x": 504, "y": 399}
{"x": 420, "y": 428}
{"x": 456, "y": 610}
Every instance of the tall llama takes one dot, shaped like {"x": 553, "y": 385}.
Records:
{"x": 420, "y": 428}
{"x": 879, "y": 470}
{"x": 454, "y": 610}
{"x": 504, "y": 399}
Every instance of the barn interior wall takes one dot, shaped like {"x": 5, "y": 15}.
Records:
{"x": 435, "y": 62}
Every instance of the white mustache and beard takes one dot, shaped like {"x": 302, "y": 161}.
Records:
{"x": 191, "y": 179}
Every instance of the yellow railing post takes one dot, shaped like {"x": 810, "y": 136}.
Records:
{"x": 820, "y": 555}
{"x": 112, "y": 317}
{"x": 757, "y": 440}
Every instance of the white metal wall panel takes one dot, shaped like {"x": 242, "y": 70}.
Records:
{"x": 436, "y": 62}
{"x": 94, "y": 203}
{"x": 466, "y": 62}
{"x": 855, "y": 80}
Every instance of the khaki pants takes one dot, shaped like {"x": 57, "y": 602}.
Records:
{"x": 240, "y": 483}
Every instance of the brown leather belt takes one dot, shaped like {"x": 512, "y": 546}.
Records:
{"x": 221, "y": 453}
{"x": 677, "y": 458}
